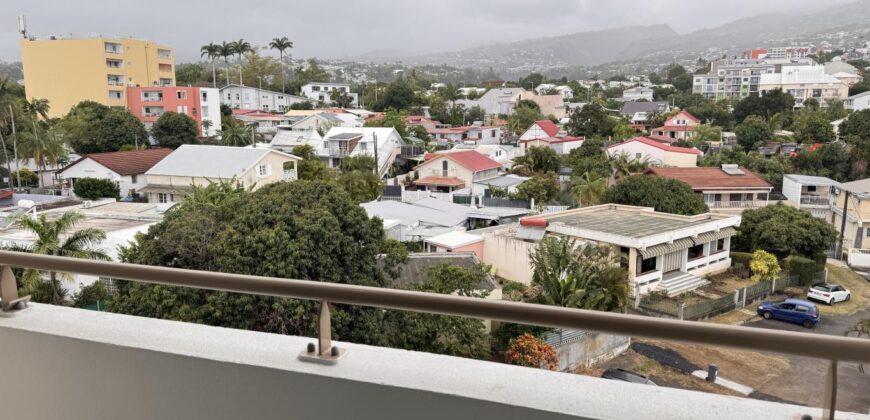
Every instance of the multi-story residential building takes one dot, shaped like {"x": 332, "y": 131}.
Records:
{"x": 637, "y": 93}
{"x": 729, "y": 189}
{"x": 201, "y": 104}
{"x": 68, "y": 71}
{"x": 732, "y": 79}
{"x": 250, "y": 98}
{"x": 322, "y": 91}
{"x": 812, "y": 193}
{"x": 853, "y": 198}
{"x": 804, "y": 82}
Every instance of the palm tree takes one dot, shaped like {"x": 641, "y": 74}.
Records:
{"x": 588, "y": 188}
{"x": 573, "y": 276}
{"x": 281, "y": 44}
{"x": 235, "y": 135}
{"x": 206, "y": 124}
{"x": 41, "y": 147}
{"x": 212, "y": 51}
{"x": 622, "y": 165}
{"x": 225, "y": 50}
{"x": 56, "y": 237}
{"x": 241, "y": 47}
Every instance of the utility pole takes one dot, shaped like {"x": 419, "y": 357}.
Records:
{"x": 253, "y": 137}
{"x": 843, "y": 226}
{"x": 6, "y": 155}
{"x": 375, "y": 145}
{"x": 15, "y": 148}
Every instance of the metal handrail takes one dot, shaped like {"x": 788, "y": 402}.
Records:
{"x": 799, "y": 344}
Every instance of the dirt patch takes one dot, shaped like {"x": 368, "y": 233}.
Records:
{"x": 666, "y": 357}
{"x": 736, "y": 317}
{"x": 857, "y": 285}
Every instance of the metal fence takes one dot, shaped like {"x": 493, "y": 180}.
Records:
{"x": 463, "y": 199}
{"x": 505, "y": 202}
{"x": 708, "y": 308}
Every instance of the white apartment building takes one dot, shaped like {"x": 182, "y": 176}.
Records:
{"x": 637, "y": 93}
{"x": 804, "y": 82}
{"x": 247, "y": 97}
{"x": 732, "y": 79}
{"x": 321, "y": 91}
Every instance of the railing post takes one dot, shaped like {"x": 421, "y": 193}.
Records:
{"x": 324, "y": 352}
{"x": 830, "y": 403}
{"x": 9, "y": 291}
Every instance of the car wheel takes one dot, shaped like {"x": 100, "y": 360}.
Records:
{"x": 807, "y": 323}
{"x": 767, "y": 315}
{"x": 848, "y": 297}
{"x": 831, "y": 302}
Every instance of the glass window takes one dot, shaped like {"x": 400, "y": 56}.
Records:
{"x": 647, "y": 265}
{"x": 696, "y": 251}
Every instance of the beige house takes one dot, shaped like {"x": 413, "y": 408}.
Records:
{"x": 804, "y": 82}
{"x": 655, "y": 152}
{"x": 855, "y": 198}
{"x": 446, "y": 172}
{"x": 172, "y": 178}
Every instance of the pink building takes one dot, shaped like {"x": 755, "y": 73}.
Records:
{"x": 201, "y": 104}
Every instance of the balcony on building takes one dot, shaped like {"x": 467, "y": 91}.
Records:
{"x": 104, "y": 365}
{"x": 164, "y": 67}
{"x": 115, "y": 80}
{"x": 114, "y": 64}
{"x": 116, "y": 95}
{"x": 152, "y": 112}
{"x": 113, "y": 47}
{"x": 164, "y": 54}
{"x": 152, "y": 96}
{"x": 165, "y": 82}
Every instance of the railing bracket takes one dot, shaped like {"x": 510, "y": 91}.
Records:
{"x": 324, "y": 352}
{"x": 9, "y": 300}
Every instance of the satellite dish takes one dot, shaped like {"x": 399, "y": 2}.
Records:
{"x": 26, "y": 204}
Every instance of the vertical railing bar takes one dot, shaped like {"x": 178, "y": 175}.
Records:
{"x": 830, "y": 403}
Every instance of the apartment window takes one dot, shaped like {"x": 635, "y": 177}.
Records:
{"x": 264, "y": 170}
{"x": 165, "y": 82}
{"x": 229, "y": 96}
{"x": 237, "y": 97}
{"x": 112, "y": 47}
{"x": 204, "y": 96}
{"x": 133, "y": 178}
{"x": 116, "y": 94}
{"x": 266, "y": 108}
{"x": 315, "y": 88}
{"x": 181, "y": 94}
{"x": 321, "y": 97}
{"x": 696, "y": 251}
{"x": 162, "y": 198}
{"x": 164, "y": 53}
{"x": 164, "y": 67}
{"x": 281, "y": 108}
{"x": 811, "y": 188}
{"x": 444, "y": 167}
{"x": 181, "y": 109}
{"x": 280, "y": 97}
{"x": 720, "y": 245}
{"x": 115, "y": 80}
{"x": 817, "y": 93}
{"x": 647, "y": 265}
{"x": 114, "y": 64}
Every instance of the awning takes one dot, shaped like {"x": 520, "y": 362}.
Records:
{"x": 714, "y": 236}
{"x": 662, "y": 249}
{"x": 167, "y": 189}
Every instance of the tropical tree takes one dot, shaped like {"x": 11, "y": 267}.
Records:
{"x": 241, "y": 47}
{"x": 783, "y": 231}
{"x": 226, "y": 51}
{"x": 206, "y": 125}
{"x": 764, "y": 265}
{"x": 530, "y": 351}
{"x": 57, "y": 237}
{"x": 235, "y": 134}
{"x": 212, "y": 51}
{"x": 578, "y": 276}
{"x": 173, "y": 129}
{"x": 588, "y": 188}
{"x": 664, "y": 194}
{"x": 39, "y": 144}
{"x": 281, "y": 44}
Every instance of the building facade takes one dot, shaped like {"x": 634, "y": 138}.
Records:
{"x": 732, "y": 79}
{"x": 250, "y": 98}
{"x": 68, "y": 71}
{"x": 804, "y": 82}
{"x": 200, "y": 104}
{"x": 321, "y": 92}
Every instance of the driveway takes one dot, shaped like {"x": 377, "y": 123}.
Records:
{"x": 804, "y": 380}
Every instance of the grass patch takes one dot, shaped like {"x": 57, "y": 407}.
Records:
{"x": 857, "y": 285}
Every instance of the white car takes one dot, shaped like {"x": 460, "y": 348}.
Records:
{"x": 828, "y": 293}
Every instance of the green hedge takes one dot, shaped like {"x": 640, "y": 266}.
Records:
{"x": 802, "y": 267}
{"x": 741, "y": 258}
{"x": 93, "y": 188}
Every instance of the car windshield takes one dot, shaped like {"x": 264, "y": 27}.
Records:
{"x": 822, "y": 287}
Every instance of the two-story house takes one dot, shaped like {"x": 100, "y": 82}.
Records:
{"x": 446, "y": 172}
{"x": 197, "y": 165}
{"x": 250, "y": 98}
{"x": 477, "y": 134}
{"x": 126, "y": 169}
{"x": 343, "y": 142}
{"x": 811, "y": 193}
{"x": 322, "y": 92}
{"x": 679, "y": 126}
{"x": 727, "y": 189}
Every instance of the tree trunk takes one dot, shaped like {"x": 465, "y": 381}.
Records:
{"x": 6, "y": 156}
{"x": 227, "y": 70}
{"x": 55, "y": 297}
{"x": 213, "y": 75}
{"x": 240, "y": 70}
{"x": 283, "y": 72}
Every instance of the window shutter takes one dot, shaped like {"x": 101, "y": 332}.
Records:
{"x": 268, "y": 170}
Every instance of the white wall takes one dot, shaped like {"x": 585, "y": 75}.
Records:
{"x": 89, "y": 168}
{"x": 791, "y": 190}
{"x": 632, "y": 148}
{"x": 210, "y": 103}
{"x": 246, "y": 97}
{"x": 509, "y": 256}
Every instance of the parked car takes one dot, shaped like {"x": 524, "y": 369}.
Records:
{"x": 792, "y": 310}
{"x": 828, "y": 293}
{"x": 627, "y": 376}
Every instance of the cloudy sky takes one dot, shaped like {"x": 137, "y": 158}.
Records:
{"x": 340, "y": 28}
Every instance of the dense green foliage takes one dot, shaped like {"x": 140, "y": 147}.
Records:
{"x": 90, "y": 127}
{"x": 173, "y": 129}
{"x": 664, "y": 194}
{"x": 94, "y": 188}
{"x": 783, "y": 230}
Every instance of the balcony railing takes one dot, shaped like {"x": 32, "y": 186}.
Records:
{"x": 815, "y": 200}
{"x": 832, "y": 348}
{"x": 734, "y": 204}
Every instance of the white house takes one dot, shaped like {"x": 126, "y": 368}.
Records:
{"x": 812, "y": 193}
{"x": 858, "y": 102}
{"x": 321, "y": 91}
{"x": 126, "y": 169}
{"x": 477, "y": 134}
{"x": 498, "y": 101}
{"x": 501, "y": 153}
{"x": 540, "y": 129}
{"x": 342, "y": 142}
{"x": 656, "y": 153}
{"x": 327, "y": 120}
{"x": 286, "y": 139}
{"x": 562, "y": 90}
{"x": 247, "y": 97}
{"x": 637, "y": 93}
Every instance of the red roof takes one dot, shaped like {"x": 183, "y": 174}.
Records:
{"x": 659, "y": 145}
{"x": 705, "y": 178}
{"x": 468, "y": 159}
{"x": 133, "y": 162}
{"x": 661, "y": 139}
{"x": 687, "y": 115}
{"x": 555, "y": 140}
{"x": 674, "y": 128}
{"x": 548, "y": 126}
{"x": 440, "y": 180}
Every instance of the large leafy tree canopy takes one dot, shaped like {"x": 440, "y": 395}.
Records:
{"x": 783, "y": 231}
{"x": 663, "y": 194}
{"x": 590, "y": 121}
{"x": 173, "y": 129}
{"x": 90, "y": 127}
{"x": 753, "y": 132}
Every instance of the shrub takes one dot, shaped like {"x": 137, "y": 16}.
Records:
{"x": 804, "y": 268}
{"x": 28, "y": 178}
{"x": 93, "y": 188}
{"x": 741, "y": 258}
{"x": 764, "y": 264}
{"x": 90, "y": 295}
{"x": 531, "y": 351}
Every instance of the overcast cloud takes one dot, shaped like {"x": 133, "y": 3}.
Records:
{"x": 344, "y": 28}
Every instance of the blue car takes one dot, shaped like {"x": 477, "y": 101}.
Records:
{"x": 792, "y": 310}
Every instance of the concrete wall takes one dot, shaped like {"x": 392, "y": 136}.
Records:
{"x": 680, "y": 160}
{"x": 509, "y": 256}
{"x": 633, "y": 148}
{"x": 590, "y": 349}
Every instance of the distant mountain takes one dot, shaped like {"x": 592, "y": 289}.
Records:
{"x": 382, "y": 56}
{"x": 584, "y": 48}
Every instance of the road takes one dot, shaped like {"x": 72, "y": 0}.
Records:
{"x": 805, "y": 379}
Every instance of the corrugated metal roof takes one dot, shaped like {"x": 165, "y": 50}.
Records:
{"x": 666, "y": 248}
{"x": 210, "y": 161}
{"x": 714, "y": 236}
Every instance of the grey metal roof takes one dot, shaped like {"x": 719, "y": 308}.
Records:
{"x": 416, "y": 269}
{"x": 631, "y": 224}
{"x": 631, "y": 108}
{"x": 812, "y": 180}
{"x": 503, "y": 181}
{"x": 344, "y": 136}
{"x": 714, "y": 236}
{"x": 410, "y": 214}
{"x": 666, "y": 248}
{"x": 861, "y": 186}
{"x": 210, "y": 161}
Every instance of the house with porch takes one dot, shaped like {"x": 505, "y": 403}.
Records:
{"x": 343, "y": 142}
{"x": 126, "y": 169}
{"x": 679, "y": 126}
{"x": 197, "y": 165}
{"x": 656, "y": 152}
{"x": 661, "y": 251}
{"x": 476, "y": 134}
{"x": 729, "y": 188}
{"x": 446, "y": 172}
{"x": 811, "y": 193}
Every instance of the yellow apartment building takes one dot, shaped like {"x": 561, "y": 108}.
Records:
{"x": 68, "y": 71}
